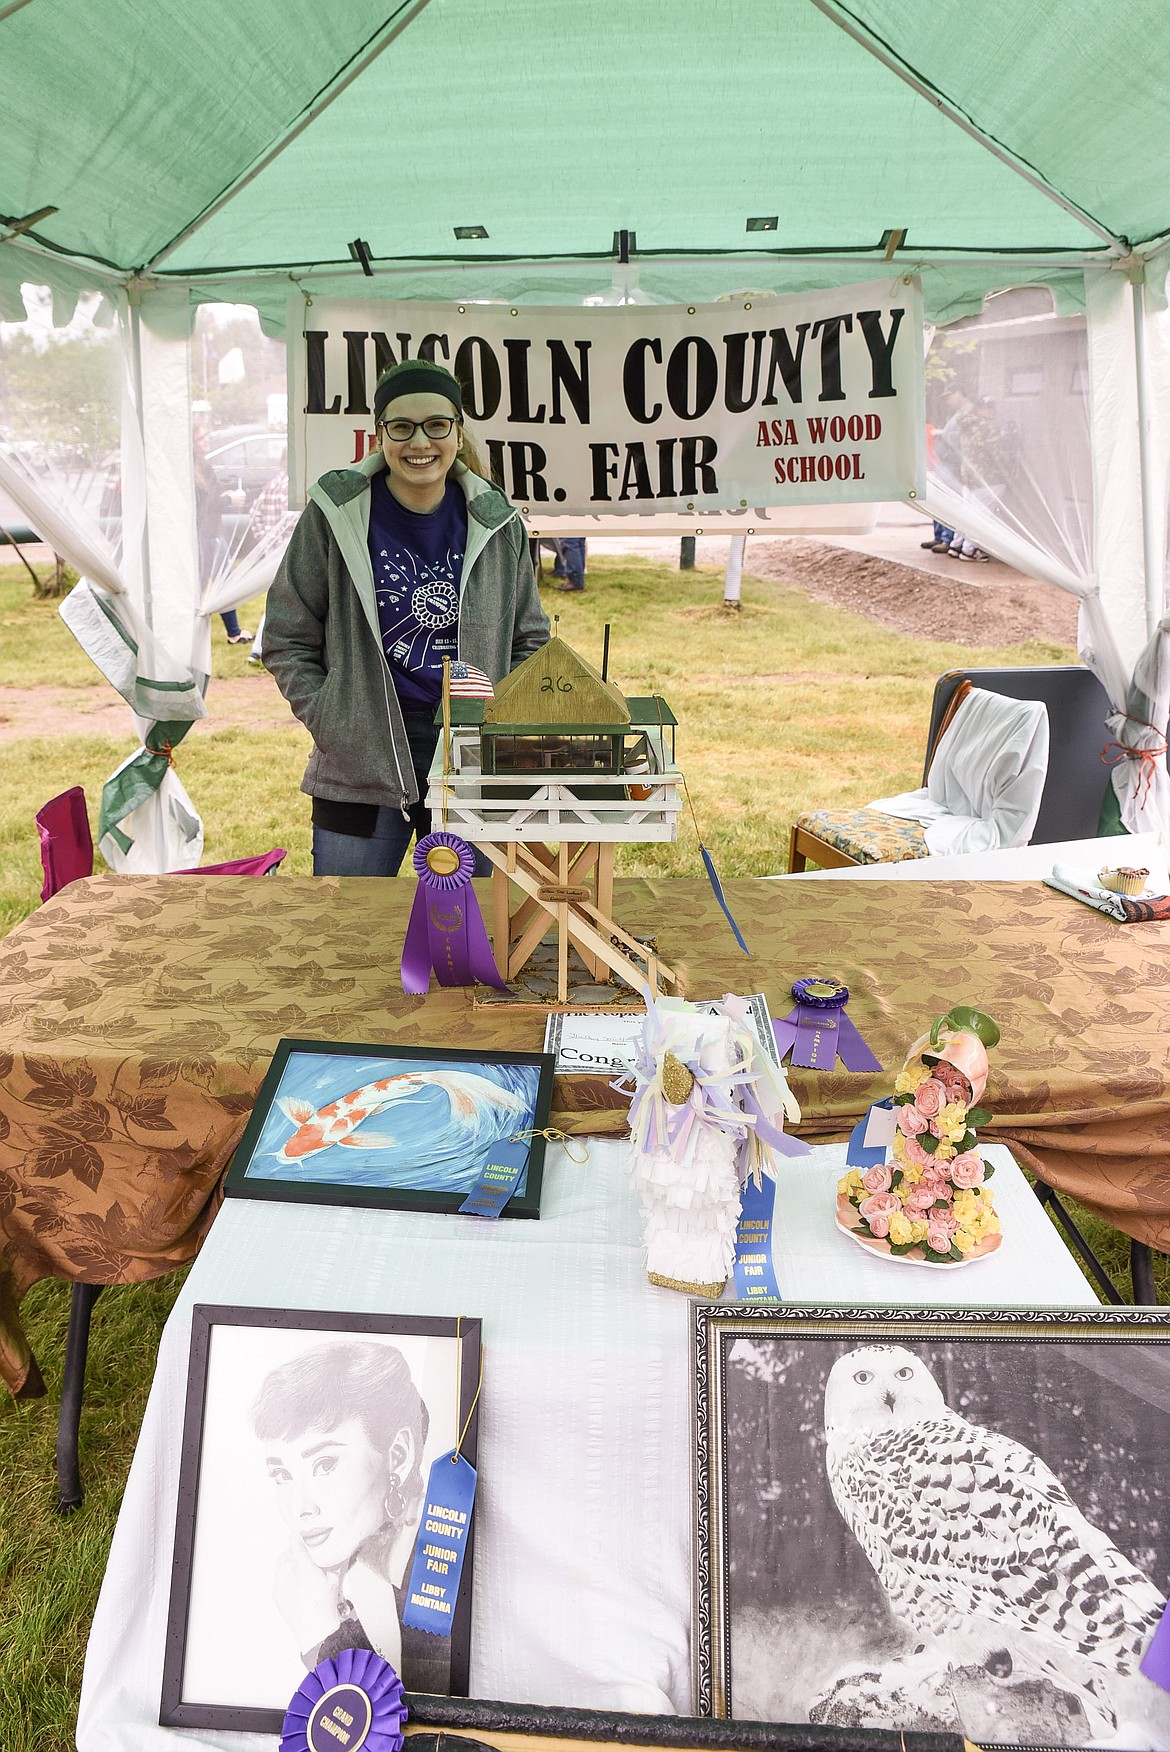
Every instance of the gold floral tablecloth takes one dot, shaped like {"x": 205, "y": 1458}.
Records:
{"x": 138, "y": 1015}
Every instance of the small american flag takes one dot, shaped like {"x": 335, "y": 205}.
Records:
{"x": 469, "y": 683}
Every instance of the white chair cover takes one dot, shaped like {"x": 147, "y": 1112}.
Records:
{"x": 986, "y": 780}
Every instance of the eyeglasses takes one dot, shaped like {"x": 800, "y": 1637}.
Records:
{"x": 402, "y": 431}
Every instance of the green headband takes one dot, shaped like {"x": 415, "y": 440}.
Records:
{"x": 415, "y": 376}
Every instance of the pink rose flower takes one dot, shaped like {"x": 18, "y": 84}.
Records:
{"x": 879, "y": 1204}
{"x": 930, "y": 1097}
{"x": 920, "y": 1200}
{"x": 910, "y": 1122}
{"x": 953, "y": 1081}
{"x": 877, "y": 1179}
{"x": 967, "y": 1169}
{"x": 879, "y": 1226}
{"x": 915, "y": 1154}
{"x": 938, "y": 1238}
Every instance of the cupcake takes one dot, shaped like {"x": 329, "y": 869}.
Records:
{"x": 1123, "y": 881}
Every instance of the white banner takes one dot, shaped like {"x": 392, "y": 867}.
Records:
{"x": 747, "y": 403}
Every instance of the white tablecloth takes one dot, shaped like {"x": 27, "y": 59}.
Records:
{"x": 582, "y": 1556}
{"x": 1014, "y": 864}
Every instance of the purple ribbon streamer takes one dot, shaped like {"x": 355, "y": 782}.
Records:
{"x": 446, "y": 934}
{"x": 767, "y": 1132}
{"x": 818, "y": 1035}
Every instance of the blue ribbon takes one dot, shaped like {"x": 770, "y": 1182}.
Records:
{"x": 860, "y": 1154}
{"x": 755, "y": 1275}
{"x": 498, "y": 1178}
{"x": 441, "y": 1546}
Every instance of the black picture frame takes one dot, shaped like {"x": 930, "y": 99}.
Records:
{"x": 298, "y": 1186}
{"x": 804, "y": 1493}
{"x": 202, "y": 1571}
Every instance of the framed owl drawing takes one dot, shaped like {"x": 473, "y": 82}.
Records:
{"x": 913, "y": 1520}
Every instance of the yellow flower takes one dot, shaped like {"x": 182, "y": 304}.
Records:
{"x": 965, "y": 1241}
{"x": 901, "y": 1229}
{"x": 850, "y": 1183}
{"x": 899, "y": 1147}
{"x": 918, "y": 1230}
{"x": 910, "y": 1076}
{"x": 954, "y": 1113}
{"x": 910, "y": 1174}
{"x": 944, "y": 1151}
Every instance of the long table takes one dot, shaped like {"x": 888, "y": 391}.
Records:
{"x": 582, "y": 1561}
{"x": 138, "y": 1014}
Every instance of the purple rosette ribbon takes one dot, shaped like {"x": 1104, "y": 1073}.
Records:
{"x": 446, "y": 934}
{"x": 818, "y": 1031}
{"x": 354, "y": 1701}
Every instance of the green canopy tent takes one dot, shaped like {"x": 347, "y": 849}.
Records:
{"x": 551, "y": 150}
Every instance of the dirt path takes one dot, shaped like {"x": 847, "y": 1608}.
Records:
{"x": 887, "y": 577}
{"x": 971, "y": 603}
{"x": 251, "y": 702}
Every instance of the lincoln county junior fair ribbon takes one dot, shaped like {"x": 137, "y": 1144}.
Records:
{"x": 446, "y": 934}
{"x": 353, "y": 1701}
{"x": 818, "y": 1030}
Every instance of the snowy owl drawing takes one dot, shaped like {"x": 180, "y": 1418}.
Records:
{"x": 982, "y": 1553}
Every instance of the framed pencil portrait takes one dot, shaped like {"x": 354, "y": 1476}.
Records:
{"x": 913, "y": 1520}
{"x": 305, "y": 1495}
{"x": 401, "y": 1128}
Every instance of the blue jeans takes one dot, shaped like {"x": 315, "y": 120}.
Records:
{"x": 572, "y": 556}
{"x": 350, "y": 854}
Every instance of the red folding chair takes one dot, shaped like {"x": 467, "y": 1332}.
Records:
{"x": 66, "y": 842}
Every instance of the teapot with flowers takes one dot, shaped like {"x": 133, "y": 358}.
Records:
{"x": 930, "y": 1201}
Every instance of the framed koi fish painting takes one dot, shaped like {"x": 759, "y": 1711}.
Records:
{"x": 402, "y": 1128}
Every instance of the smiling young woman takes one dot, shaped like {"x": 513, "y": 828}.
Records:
{"x": 410, "y": 557}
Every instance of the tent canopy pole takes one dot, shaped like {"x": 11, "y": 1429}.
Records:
{"x": 1155, "y": 587}
{"x": 873, "y": 46}
{"x": 405, "y": 15}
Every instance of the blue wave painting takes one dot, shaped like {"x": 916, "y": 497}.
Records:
{"x": 422, "y": 1124}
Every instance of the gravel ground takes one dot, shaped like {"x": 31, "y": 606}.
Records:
{"x": 887, "y": 577}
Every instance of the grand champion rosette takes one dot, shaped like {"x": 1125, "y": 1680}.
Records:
{"x": 354, "y": 1701}
{"x": 818, "y": 1031}
{"x": 446, "y": 934}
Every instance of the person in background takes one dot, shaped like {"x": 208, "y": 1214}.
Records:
{"x": 271, "y": 521}
{"x": 571, "y": 556}
{"x": 967, "y": 451}
{"x": 409, "y": 557}
{"x": 210, "y": 499}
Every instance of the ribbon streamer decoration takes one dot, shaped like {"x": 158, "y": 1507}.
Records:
{"x": 819, "y": 1032}
{"x": 446, "y": 934}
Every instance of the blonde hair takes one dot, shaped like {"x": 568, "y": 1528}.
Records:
{"x": 470, "y": 457}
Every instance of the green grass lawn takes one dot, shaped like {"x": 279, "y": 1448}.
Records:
{"x": 782, "y": 707}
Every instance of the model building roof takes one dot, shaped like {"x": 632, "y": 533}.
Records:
{"x": 556, "y": 686}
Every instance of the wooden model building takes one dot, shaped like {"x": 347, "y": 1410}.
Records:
{"x": 545, "y": 778}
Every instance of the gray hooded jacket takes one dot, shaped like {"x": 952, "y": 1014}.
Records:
{"x": 323, "y": 643}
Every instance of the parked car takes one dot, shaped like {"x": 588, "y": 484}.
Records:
{"x": 244, "y": 457}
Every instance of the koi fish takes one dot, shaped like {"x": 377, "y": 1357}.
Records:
{"x": 319, "y": 1128}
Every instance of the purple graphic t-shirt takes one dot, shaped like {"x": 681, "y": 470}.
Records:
{"x": 418, "y": 560}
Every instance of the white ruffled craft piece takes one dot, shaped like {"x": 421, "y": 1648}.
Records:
{"x": 690, "y": 1176}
